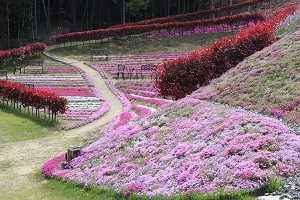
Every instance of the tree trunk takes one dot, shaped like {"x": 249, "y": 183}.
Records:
{"x": 178, "y": 10}
{"x": 212, "y": 7}
{"x": 161, "y": 9}
{"x": 169, "y": 5}
{"x": 23, "y": 18}
{"x": 85, "y": 11}
{"x": 153, "y": 9}
{"x": 59, "y": 10}
{"x": 194, "y": 6}
{"x": 73, "y": 14}
{"x": 92, "y": 14}
{"x": 47, "y": 17}
{"x": 68, "y": 5}
{"x": 108, "y": 14}
{"x": 230, "y": 4}
{"x": 73, "y": 152}
{"x": 35, "y": 18}
{"x": 8, "y": 31}
{"x": 123, "y": 12}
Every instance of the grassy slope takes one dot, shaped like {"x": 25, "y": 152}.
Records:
{"x": 15, "y": 129}
{"x": 144, "y": 44}
{"x": 268, "y": 82}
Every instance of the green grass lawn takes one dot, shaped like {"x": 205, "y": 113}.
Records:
{"x": 15, "y": 128}
{"x": 144, "y": 44}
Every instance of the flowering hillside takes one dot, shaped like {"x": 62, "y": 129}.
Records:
{"x": 191, "y": 145}
{"x": 267, "y": 81}
{"x": 196, "y": 144}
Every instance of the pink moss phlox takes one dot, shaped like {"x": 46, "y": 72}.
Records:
{"x": 53, "y": 165}
{"x": 124, "y": 118}
{"x": 132, "y": 188}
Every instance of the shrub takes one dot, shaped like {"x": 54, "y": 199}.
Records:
{"x": 182, "y": 76}
{"x": 28, "y": 50}
{"x": 30, "y": 97}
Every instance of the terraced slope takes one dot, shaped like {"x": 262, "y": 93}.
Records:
{"x": 195, "y": 145}
{"x": 268, "y": 82}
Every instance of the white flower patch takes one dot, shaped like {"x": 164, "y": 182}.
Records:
{"x": 152, "y": 110}
{"x": 84, "y": 105}
{"x": 79, "y": 98}
{"x": 78, "y": 102}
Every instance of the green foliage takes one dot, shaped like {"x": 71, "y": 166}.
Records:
{"x": 54, "y": 189}
{"x": 134, "y": 7}
{"x": 71, "y": 190}
{"x": 273, "y": 185}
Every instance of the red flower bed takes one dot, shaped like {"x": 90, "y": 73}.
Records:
{"x": 196, "y": 15}
{"x": 18, "y": 93}
{"x": 182, "y": 76}
{"x": 30, "y": 49}
{"x": 130, "y": 30}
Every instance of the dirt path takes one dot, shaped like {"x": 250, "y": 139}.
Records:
{"x": 26, "y": 158}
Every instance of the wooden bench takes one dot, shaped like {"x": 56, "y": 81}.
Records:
{"x": 3, "y": 73}
{"x": 99, "y": 53}
{"x": 33, "y": 65}
{"x": 146, "y": 70}
{"x": 122, "y": 70}
{"x": 28, "y": 85}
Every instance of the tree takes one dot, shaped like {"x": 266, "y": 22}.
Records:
{"x": 73, "y": 13}
{"x": 47, "y": 14}
{"x": 136, "y": 7}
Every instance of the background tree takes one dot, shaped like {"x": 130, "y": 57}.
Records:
{"x": 24, "y": 21}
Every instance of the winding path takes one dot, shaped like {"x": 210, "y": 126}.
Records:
{"x": 27, "y": 157}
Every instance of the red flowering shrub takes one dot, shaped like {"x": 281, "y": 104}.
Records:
{"x": 25, "y": 50}
{"x": 32, "y": 97}
{"x": 182, "y": 76}
{"x": 137, "y": 29}
{"x": 202, "y": 14}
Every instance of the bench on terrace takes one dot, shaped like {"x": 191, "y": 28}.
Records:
{"x": 34, "y": 65}
{"x": 146, "y": 70}
{"x": 123, "y": 71}
{"x": 3, "y": 73}
{"x": 99, "y": 53}
{"x": 28, "y": 85}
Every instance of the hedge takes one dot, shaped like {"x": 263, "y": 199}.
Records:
{"x": 182, "y": 76}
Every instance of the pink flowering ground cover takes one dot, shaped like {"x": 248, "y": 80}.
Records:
{"x": 267, "y": 81}
{"x": 70, "y": 91}
{"x": 132, "y": 62}
{"x": 85, "y": 103}
{"x": 202, "y": 30}
{"x": 141, "y": 92}
{"x": 60, "y": 70}
{"x": 190, "y": 145}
